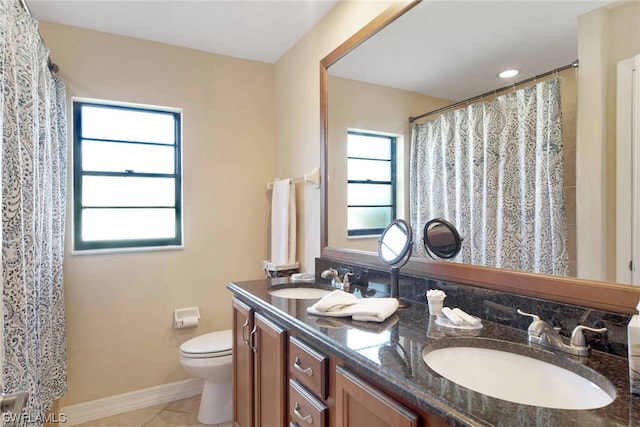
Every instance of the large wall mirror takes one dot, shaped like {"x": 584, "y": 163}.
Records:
{"x": 393, "y": 69}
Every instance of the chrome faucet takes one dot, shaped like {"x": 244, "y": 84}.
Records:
{"x": 342, "y": 283}
{"x": 542, "y": 333}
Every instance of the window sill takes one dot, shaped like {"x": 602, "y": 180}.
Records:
{"x": 364, "y": 236}
{"x": 75, "y": 252}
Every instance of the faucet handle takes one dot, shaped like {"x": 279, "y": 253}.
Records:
{"x": 577, "y": 337}
{"x": 326, "y": 273}
{"x": 534, "y": 316}
{"x": 346, "y": 279}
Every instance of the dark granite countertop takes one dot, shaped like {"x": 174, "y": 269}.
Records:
{"x": 390, "y": 354}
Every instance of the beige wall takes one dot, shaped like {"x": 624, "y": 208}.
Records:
{"x": 244, "y": 123}
{"x": 364, "y": 106}
{"x": 297, "y": 94}
{"x": 605, "y": 37}
{"x": 119, "y": 307}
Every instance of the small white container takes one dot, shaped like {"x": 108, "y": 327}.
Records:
{"x": 435, "y": 298}
{"x": 435, "y": 306}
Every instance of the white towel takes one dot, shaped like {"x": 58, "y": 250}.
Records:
{"x": 335, "y": 301}
{"x": 336, "y": 304}
{"x": 374, "y": 309}
{"x": 283, "y": 222}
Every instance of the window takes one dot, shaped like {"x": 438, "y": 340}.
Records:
{"x": 371, "y": 183}
{"x": 126, "y": 176}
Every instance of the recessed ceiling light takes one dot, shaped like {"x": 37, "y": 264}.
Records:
{"x": 508, "y": 73}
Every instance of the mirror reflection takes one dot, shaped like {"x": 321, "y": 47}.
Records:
{"x": 369, "y": 102}
{"x": 441, "y": 239}
{"x": 394, "y": 248}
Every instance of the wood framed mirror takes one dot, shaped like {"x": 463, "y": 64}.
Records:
{"x": 595, "y": 294}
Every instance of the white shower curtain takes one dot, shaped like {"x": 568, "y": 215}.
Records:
{"x": 495, "y": 170}
{"x": 33, "y": 168}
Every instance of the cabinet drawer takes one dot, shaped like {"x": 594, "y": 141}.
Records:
{"x": 308, "y": 367}
{"x": 305, "y": 409}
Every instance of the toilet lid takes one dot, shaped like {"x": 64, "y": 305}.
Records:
{"x": 214, "y": 344}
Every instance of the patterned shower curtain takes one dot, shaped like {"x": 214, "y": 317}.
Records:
{"x": 495, "y": 170}
{"x": 33, "y": 168}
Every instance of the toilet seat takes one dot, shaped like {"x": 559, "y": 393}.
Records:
{"x": 211, "y": 345}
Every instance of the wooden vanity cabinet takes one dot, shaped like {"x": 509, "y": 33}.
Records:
{"x": 243, "y": 390}
{"x": 271, "y": 372}
{"x": 360, "y": 404}
{"x": 279, "y": 379}
{"x": 309, "y": 367}
{"x": 259, "y": 369}
{"x": 308, "y": 385}
{"x": 304, "y": 408}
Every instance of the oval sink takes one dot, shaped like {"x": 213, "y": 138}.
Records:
{"x": 299, "y": 293}
{"x": 521, "y": 379}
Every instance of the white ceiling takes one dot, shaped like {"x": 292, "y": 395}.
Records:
{"x": 455, "y": 49}
{"x": 451, "y": 49}
{"x": 261, "y": 30}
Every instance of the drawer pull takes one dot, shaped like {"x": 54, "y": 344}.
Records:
{"x": 292, "y": 424}
{"x": 296, "y": 412}
{"x": 307, "y": 371}
{"x": 252, "y": 339}
{"x": 244, "y": 328}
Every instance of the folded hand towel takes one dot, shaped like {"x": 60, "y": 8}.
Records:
{"x": 343, "y": 304}
{"x": 374, "y": 309}
{"x": 335, "y": 301}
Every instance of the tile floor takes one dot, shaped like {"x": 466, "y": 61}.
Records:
{"x": 182, "y": 413}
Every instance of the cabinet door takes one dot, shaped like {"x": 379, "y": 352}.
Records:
{"x": 360, "y": 404}
{"x": 243, "y": 391}
{"x": 270, "y": 377}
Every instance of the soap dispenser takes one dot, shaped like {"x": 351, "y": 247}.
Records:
{"x": 633, "y": 335}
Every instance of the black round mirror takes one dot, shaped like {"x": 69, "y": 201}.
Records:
{"x": 441, "y": 239}
{"x": 395, "y": 244}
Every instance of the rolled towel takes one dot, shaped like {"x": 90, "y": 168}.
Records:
{"x": 334, "y": 301}
{"x": 452, "y": 316}
{"x": 467, "y": 318}
{"x": 459, "y": 318}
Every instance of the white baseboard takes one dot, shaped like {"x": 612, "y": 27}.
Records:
{"x": 120, "y": 403}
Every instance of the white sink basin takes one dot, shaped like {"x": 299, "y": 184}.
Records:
{"x": 299, "y": 293}
{"x": 519, "y": 379}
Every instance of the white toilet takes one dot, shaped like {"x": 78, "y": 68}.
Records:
{"x": 209, "y": 357}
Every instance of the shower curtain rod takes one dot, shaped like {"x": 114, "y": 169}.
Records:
{"x": 52, "y": 67}
{"x": 574, "y": 64}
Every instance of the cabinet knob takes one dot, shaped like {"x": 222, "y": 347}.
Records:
{"x": 297, "y": 413}
{"x": 296, "y": 364}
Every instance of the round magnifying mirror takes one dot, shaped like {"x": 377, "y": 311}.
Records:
{"x": 394, "y": 246}
{"x": 441, "y": 239}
